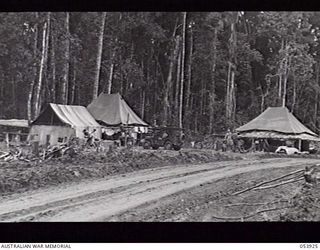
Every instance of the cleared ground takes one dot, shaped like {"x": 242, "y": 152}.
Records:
{"x": 184, "y": 192}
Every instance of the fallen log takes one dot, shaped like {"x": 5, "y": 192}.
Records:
{"x": 266, "y": 182}
{"x": 4, "y": 155}
{"x": 249, "y": 215}
{"x": 255, "y": 204}
{"x": 55, "y": 152}
{"x": 279, "y": 184}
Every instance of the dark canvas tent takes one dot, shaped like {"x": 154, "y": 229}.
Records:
{"x": 58, "y": 122}
{"x": 112, "y": 110}
{"x": 276, "y": 122}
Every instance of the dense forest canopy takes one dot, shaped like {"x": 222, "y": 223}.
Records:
{"x": 204, "y": 71}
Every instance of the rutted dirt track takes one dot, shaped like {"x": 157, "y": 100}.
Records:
{"x": 103, "y": 200}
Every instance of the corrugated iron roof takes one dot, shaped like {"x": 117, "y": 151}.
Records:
{"x": 113, "y": 110}
{"x": 14, "y": 123}
{"x": 277, "y": 119}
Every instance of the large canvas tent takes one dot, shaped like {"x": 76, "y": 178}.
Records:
{"x": 112, "y": 110}
{"x": 276, "y": 123}
{"x": 59, "y": 122}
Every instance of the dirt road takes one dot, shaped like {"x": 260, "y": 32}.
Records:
{"x": 102, "y": 200}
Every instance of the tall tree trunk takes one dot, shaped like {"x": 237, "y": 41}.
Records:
{"x": 143, "y": 102}
{"x": 212, "y": 93}
{"x": 112, "y": 63}
{"x": 305, "y": 113}
{"x": 176, "y": 94}
{"x": 285, "y": 77}
{"x": 2, "y": 87}
{"x": 155, "y": 96}
{"x": 99, "y": 56}
{"x": 280, "y": 74}
{"x": 264, "y": 94}
{"x": 294, "y": 93}
{"x": 168, "y": 84}
{"x": 65, "y": 70}
{"x": 111, "y": 70}
{"x": 73, "y": 83}
{"x": 231, "y": 97}
{"x": 121, "y": 77}
{"x": 262, "y": 102}
{"x": 317, "y": 96}
{"x": 228, "y": 92}
{"x": 184, "y": 15}
{"x": 280, "y": 86}
{"x": 53, "y": 64}
{"x": 78, "y": 87}
{"x": 46, "y": 91}
{"x": 196, "y": 123}
{"x": 34, "y": 70}
{"x": 42, "y": 65}
{"x": 201, "y": 97}
{"x": 142, "y": 90}
{"x": 189, "y": 71}
{"x": 13, "y": 89}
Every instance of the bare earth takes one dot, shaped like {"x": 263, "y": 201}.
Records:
{"x": 171, "y": 193}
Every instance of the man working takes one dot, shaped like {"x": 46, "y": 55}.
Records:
{"x": 89, "y": 137}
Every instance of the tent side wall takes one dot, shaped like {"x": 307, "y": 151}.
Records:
{"x": 51, "y": 134}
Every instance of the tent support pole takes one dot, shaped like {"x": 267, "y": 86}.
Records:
{"x": 300, "y": 144}
{"x": 7, "y": 140}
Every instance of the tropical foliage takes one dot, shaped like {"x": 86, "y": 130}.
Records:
{"x": 202, "y": 71}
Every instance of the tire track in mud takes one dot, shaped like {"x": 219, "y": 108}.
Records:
{"x": 103, "y": 200}
{"x": 83, "y": 199}
{"x": 36, "y": 199}
{"x": 59, "y": 205}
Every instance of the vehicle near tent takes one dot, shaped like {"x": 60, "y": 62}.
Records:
{"x": 289, "y": 150}
{"x": 212, "y": 141}
{"x": 167, "y": 137}
{"x": 58, "y": 123}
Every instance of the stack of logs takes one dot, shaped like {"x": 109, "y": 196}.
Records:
{"x": 15, "y": 153}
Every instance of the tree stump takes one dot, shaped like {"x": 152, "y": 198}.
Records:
{"x": 35, "y": 148}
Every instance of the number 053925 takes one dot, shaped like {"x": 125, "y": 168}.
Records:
{"x": 308, "y": 245}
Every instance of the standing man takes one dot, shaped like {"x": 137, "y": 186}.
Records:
{"x": 228, "y": 139}
{"x": 234, "y": 137}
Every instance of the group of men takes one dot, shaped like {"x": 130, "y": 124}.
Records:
{"x": 126, "y": 136}
{"x": 233, "y": 143}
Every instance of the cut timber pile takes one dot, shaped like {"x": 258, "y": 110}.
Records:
{"x": 25, "y": 154}
{"x": 13, "y": 155}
